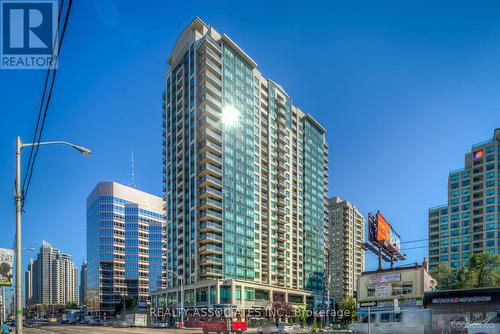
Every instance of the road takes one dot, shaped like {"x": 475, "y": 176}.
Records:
{"x": 104, "y": 330}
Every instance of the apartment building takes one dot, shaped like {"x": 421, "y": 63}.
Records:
{"x": 245, "y": 178}
{"x": 83, "y": 283}
{"x": 52, "y": 278}
{"x": 28, "y": 285}
{"x": 469, "y": 223}
{"x": 125, "y": 246}
{"x": 347, "y": 257}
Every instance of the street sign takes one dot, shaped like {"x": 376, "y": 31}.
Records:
{"x": 396, "y": 305}
{"x": 6, "y": 265}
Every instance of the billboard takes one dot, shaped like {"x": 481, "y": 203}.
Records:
{"x": 6, "y": 265}
{"x": 384, "y": 278}
{"x": 383, "y": 229}
{"x": 383, "y": 237}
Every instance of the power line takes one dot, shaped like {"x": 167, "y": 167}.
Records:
{"x": 419, "y": 247}
{"x": 42, "y": 125}
{"x": 413, "y": 241}
{"x": 28, "y": 166}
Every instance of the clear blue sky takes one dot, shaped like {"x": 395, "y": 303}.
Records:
{"x": 404, "y": 89}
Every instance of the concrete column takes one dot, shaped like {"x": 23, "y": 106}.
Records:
{"x": 233, "y": 293}
{"x": 217, "y": 292}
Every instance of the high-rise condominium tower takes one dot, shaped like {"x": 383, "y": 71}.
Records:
{"x": 347, "y": 257}
{"x": 470, "y": 222}
{"x": 245, "y": 176}
{"x": 125, "y": 246}
{"x": 51, "y": 279}
{"x": 83, "y": 283}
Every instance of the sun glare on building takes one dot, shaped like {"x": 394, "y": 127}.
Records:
{"x": 230, "y": 115}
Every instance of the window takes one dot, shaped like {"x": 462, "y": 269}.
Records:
{"x": 370, "y": 291}
{"x": 400, "y": 289}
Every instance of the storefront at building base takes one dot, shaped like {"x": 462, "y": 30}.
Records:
{"x": 247, "y": 300}
{"x": 390, "y": 305}
{"x": 453, "y": 309}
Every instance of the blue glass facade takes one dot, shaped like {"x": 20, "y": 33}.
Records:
{"x": 240, "y": 151}
{"x": 125, "y": 244}
{"x": 244, "y": 173}
{"x": 314, "y": 206}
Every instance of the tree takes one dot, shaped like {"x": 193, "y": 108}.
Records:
{"x": 300, "y": 314}
{"x": 130, "y": 305}
{"x": 482, "y": 270}
{"x": 71, "y": 306}
{"x": 445, "y": 277}
{"x": 280, "y": 307}
{"x": 348, "y": 308}
{"x": 485, "y": 269}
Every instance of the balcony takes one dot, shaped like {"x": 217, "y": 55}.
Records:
{"x": 283, "y": 167}
{"x": 210, "y": 249}
{"x": 282, "y": 175}
{"x": 212, "y": 113}
{"x": 210, "y": 226}
{"x": 208, "y": 168}
{"x": 211, "y": 135}
{"x": 210, "y": 215}
{"x": 209, "y": 146}
{"x": 209, "y": 203}
{"x": 206, "y": 65}
{"x": 209, "y": 77}
{"x": 206, "y": 98}
{"x": 210, "y": 157}
{"x": 207, "y": 50}
{"x": 211, "y": 272}
{"x": 209, "y": 192}
{"x": 209, "y": 180}
{"x": 209, "y": 260}
{"x": 208, "y": 237}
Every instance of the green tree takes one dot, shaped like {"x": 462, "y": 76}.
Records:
{"x": 485, "y": 270}
{"x": 130, "y": 305}
{"x": 300, "y": 314}
{"x": 445, "y": 277}
{"x": 348, "y": 308}
{"x": 71, "y": 306}
{"x": 482, "y": 270}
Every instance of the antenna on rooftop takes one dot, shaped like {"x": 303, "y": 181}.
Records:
{"x": 132, "y": 170}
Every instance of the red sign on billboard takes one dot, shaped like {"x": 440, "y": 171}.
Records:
{"x": 383, "y": 229}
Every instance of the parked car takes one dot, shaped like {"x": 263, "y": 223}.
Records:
{"x": 121, "y": 324}
{"x": 277, "y": 328}
{"x": 161, "y": 325}
{"x": 223, "y": 326}
{"x": 96, "y": 322}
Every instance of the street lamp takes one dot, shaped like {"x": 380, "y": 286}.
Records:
{"x": 182, "y": 294}
{"x": 19, "y": 146}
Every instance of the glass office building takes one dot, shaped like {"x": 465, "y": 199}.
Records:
{"x": 125, "y": 246}
{"x": 470, "y": 222}
{"x": 245, "y": 178}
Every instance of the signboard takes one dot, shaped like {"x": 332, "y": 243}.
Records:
{"x": 383, "y": 228}
{"x": 6, "y": 265}
{"x": 368, "y": 304}
{"x": 401, "y": 303}
{"x": 396, "y": 305}
{"x": 382, "y": 290}
{"x": 384, "y": 278}
{"x": 478, "y": 154}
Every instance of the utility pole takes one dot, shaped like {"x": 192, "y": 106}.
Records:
{"x": 19, "y": 258}
{"x": 19, "y": 208}
{"x": 4, "y": 315}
